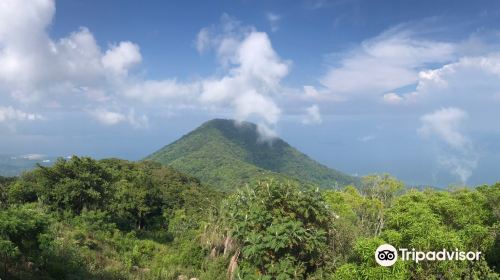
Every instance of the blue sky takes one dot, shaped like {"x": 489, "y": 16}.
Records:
{"x": 406, "y": 87}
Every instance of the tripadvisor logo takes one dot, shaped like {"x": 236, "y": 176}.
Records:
{"x": 387, "y": 255}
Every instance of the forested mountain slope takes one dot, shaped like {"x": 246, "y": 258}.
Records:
{"x": 227, "y": 154}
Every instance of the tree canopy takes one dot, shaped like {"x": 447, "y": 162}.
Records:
{"x": 114, "y": 219}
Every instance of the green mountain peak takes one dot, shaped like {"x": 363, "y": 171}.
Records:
{"x": 228, "y": 153}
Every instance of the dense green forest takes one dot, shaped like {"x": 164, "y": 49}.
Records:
{"x": 239, "y": 155}
{"x": 114, "y": 219}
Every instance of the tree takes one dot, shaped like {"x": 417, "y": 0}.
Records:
{"x": 433, "y": 220}
{"x": 20, "y": 228}
{"x": 23, "y": 190}
{"x": 382, "y": 188}
{"x": 357, "y": 216}
{"x": 75, "y": 184}
{"x": 4, "y": 189}
{"x": 363, "y": 265}
{"x": 135, "y": 201}
{"x": 284, "y": 232}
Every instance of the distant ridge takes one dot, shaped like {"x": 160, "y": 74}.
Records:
{"x": 227, "y": 154}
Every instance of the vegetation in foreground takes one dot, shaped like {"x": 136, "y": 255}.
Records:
{"x": 113, "y": 219}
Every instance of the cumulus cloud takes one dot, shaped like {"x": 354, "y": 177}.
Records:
{"x": 39, "y": 68}
{"x": 446, "y": 125}
{"x": 313, "y": 115}
{"x": 250, "y": 76}
{"x": 251, "y": 103}
{"x": 469, "y": 80}
{"x": 251, "y": 82}
{"x": 73, "y": 72}
{"x": 122, "y": 57}
{"x": 253, "y": 73}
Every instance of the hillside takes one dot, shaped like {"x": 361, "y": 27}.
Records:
{"x": 226, "y": 155}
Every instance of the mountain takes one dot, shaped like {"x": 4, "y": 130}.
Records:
{"x": 227, "y": 154}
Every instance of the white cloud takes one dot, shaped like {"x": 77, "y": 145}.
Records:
{"x": 446, "y": 125}
{"x": 73, "y": 72}
{"x": 13, "y": 16}
{"x": 273, "y": 21}
{"x": 266, "y": 134}
{"x": 472, "y": 83}
{"x": 38, "y": 68}
{"x": 392, "y": 98}
{"x": 203, "y": 40}
{"x": 415, "y": 75}
{"x": 469, "y": 80}
{"x": 108, "y": 117}
{"x": 385, "y": 63}
{"x": 122, "y": 57}
{"x": 256, "y": 67}
{"x": 253, "y": 76}
{"x": 78, "y": 60}
{"x": 9, "y": 114}
{"x": 252, "y": 103}
{"x": 313, "y": 115}
{"x": 259, "y": 62}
